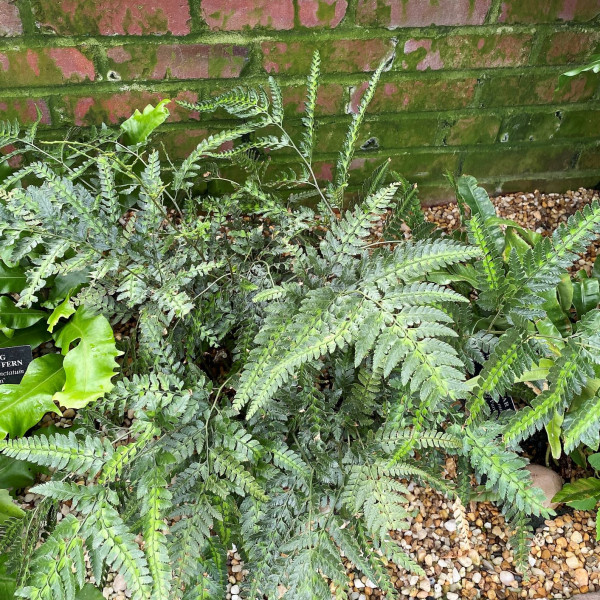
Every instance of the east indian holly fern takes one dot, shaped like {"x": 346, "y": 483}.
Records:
{"x": 291, "y": 367}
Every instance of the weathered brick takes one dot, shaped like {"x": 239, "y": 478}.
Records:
{"x": 579, "y": 124}
{"x": 24, "y": 110}
{"x": 114, "y": 17}
{"x": 476, "y": 129}
{"x": 517, "y": 161}
{"x": 114, "y": 108}
{"x": 233, "y": 15}
{"x": 535, "y": 88}
{"x": 559, "y": 182}
{"x": 45, "y": 66}
{"x": 548, "y": 11}
{"x": 534, "y": 127}
{"x": 417, "y": 167}
{"x": 424, "y": 94}
{"x": 421, "y": 13}
{"x": 384, "y": 134}
{"x": 338, "y": 56}
{"x": 10, "y": 21}
{"x": 330, "y": 100}
{"x": 590, "y": 159}
{"x": 465, "y": 51}
{"x": 177, "y": 61}
{"x": 321, "y": 13}
{"x": 564, "y": 47}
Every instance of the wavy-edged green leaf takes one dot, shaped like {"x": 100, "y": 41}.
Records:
{"x": 23, "y": 405}
{"x": 12, "y": 279}
{"x": 13, "y": 317}
{"x": 30, "y": 336}
{"x": 141, "y": 124}
{"x": 63, "y": 311}
{"x": 90, "y": 366}
{"x": 8, "y": 508}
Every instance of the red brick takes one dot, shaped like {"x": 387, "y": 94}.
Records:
{"x": 533, "y": 88}
{"x": 45, "y": 66}
{"x": 114, "y": 108}
{"x": 233, "y": 15}
{"x": 424, "y": 94}
{"x": 177, "y": 61}
{"x": 321, "y": 13}
{"x": 23, "y": 110}
{"x": 114, "y": 17}
{"x": 548, "y": 11}
{"x": 421, "y": 13}
{"x": 466, "y": 51}
{"x": 10, "y": 21}
{"x": 564, "y": 47}
{"x": 330, "y": 99}
{"x": 338, "y": 56}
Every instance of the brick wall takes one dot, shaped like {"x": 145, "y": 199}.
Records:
{"x": 472, "y": 88}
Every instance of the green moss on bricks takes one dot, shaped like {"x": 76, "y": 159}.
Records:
{"x": 530, "y": 127}
{"x": 474, "y": 129}
{"x": 579, "y": 124}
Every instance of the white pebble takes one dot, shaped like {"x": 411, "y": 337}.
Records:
{"x": 507, "y": 578}
{"x": 235, "y": 589}
{"x": 576, "y": 537}
{"x": 465, "y": 561}
{"x": 358, "y": 584}
{"x": 450, "y": 525}
{"x": 452, "y": 596}
{"x": 370, "y": 584}
{"x": 476, "y": 577}
{"x": 119, "y": 584}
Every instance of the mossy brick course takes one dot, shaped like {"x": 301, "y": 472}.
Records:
{"x": 233, "y": 15}
{"x": 518, "y": 161}
{"x": 176, "y": 61}
{"x": 501, "y": 49}
{"x": 417, "y": 95}
{"x": 535, "y": 88}
{"x": 579, "y": 124}
{"x": 421, "y": 13}
{"x": 473, "y": 129}
{"x": 113, "y": 108}
{"x": 10, "y": 20}
{"x": 24, "y": 110}
{"x": 523, "y": 126}
{"x": 113, "y": 17}
{"x": 44, "y": 66}
{"x": 321, "y": 13}
{"x": 566, "y": 47}
{"x": 337, "y": 56}
{"x": 548, "y": 11}
{"x": 472, "y": 86}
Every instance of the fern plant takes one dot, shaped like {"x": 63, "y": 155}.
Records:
{"x": 290, "y": 367}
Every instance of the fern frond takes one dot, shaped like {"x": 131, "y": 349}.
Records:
{"x": 61, "y": 452}
{"x": 308, "y": 120}
{"x": 583, "y": 425}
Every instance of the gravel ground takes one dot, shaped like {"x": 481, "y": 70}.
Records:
{"x": 565, "y": 558}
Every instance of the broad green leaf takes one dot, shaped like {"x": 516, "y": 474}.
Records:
{"x": 586, "y": 295}
{"x": 594, "y": 460}
{"x": 8, "y": 508}
{"x": 565, "y": 292}
{"x": 30, "y": 336}
{"x": 14, "y": 317}
{"x": 140, "y": 125}
{"x": 8, "y": 581}
{"x": 587, "y": 504}
{"x": 66, "y": 285}
{"x": 16, "y": 474}
{"x": 90, "y": 366}
{"x": 579, "y": 490}
{"x": 554, "y": 430}
{"x": 87, "y": 592}
{"x": 12, "y": 279}
{"x": 23, "y": 405}
{"x": 63, "y": 311}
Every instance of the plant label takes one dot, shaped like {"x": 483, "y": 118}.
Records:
{"x": 13, "y": 363}
{"x": 500, "y": 405}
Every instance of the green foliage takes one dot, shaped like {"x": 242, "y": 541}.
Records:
{"x": 287, "y": 367}
{"x": 140, "y": 125}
